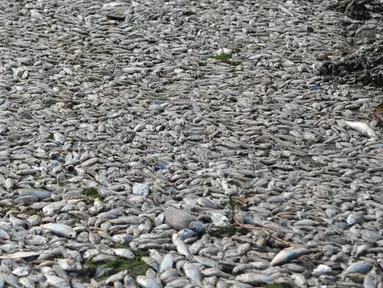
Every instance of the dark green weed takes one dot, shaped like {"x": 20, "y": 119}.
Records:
{"x": 92, "y": 193}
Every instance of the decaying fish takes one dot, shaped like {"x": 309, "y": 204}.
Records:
{"x": 255, "y": 278}
{"x": 20, "y": 255}
{"x": 60, "y": 229}
{"x": 288, "y": 254}
{"x": 362, "y": 128}
{"x": 361, "y": 267}
{"x": 193, "y": 273}
{"x": 181, "y": 247}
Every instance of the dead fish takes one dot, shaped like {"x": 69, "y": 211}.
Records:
{"x": 147, "y": 282}
{"x": 116, "y": 277}
{"x": 166, "y": 263}
{"x": 19, "y": 255}
{"x": 179, "y": 282}
{"x": 111, "y": 214}
{"x": 289, "y": 254}
{"x": 241, "y": 267}
{"x": 208, "y": 272}
{"x": 126, "y": 253}
{"x": 59, "y": 138}
{"x": 181, "y": 246}
{"x": 27, "y": 282}
{"x": 38, "y": 193}
{"x": 255, "y": 278}
{"x": 321, "y": 270}
{"x": 52, "y": 208}
{"x": 363, "y": 128}
{"x": 193, "y": 273}
{"x": 4, "y": 235}
{"x": 169, "y": 275}
{"x": 360, "y": 267}
{"x": 177, "y": 219}
{"x": 60, "y": 229}
{"x": 208, "y": 262}
{"x": 197, "y": 227}
{"x": 196, "y": 247}
{"x": 58, "y": 282}
{"x": 369, "y": 282}
{"x": 299, "y": 280}
{"x": 187, "y": 234}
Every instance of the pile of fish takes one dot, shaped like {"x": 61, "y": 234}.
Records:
{"x": 184, "y": 144}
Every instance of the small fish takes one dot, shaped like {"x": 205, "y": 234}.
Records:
{"x": 181, "y": 246}
{"x": 193, "y": 273}
{"x": 197, "y": 227}
{"x": 241, "y": 267}
{"x": 179, "y": 282}
{"x": 177, "y": 219}
{"x": 19, "y": 255}
{"x": 147, "y": 282}
{"x": 60, "y": 229}
{"x": 208, "y": 272}
{"x": 52, "y": 208}
{"x": 362, "y": 128}
{"x": 111, "y": 214}
{"x": 360, "y": 267}
{"x": 321, "y": 270}
{"x": 208, "y": 262}
{"x": 126, "y": 253}
{"x": 187, "y": 233}
{"x": 169, "y": 275}
{"x": 299, "y": 279}
{"x": 289, "y": 254}
{"x": 9, "y": 184}
{"x": 116, "y": 277}
{"x": 196, "y": 247}
{"x": 38, "y": 193}
{"x": 4, "y": 234}
{"x": 59, "y": 138}
{"x": 27, "y": 282}
{"x": 369, "y": 282}
{"x": 55, "y": 281}
{"x": 255, "y": 278}
{"x": 166, "y": 263}
{"x": 140, "y": 189}
{"x": 155, "y": 255}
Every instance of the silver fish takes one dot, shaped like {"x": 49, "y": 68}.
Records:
{"x": 166, "y": 263}
{"x": 60, "y": 229}
{"x": 255, "y": 278}
{"x": 57, "y": 282}
{"x": 178, "y": 219}
{"x": 181, "y": 246}
{"x": 19, "y": 255}
{"x": 169, "y": 275}
{"x": 122, "y": 252}
{"x": 193, "y": 273}
{"x": 146, "y": 282}
{"x": 360, "y": 267}
{"x": 288, "y": 254}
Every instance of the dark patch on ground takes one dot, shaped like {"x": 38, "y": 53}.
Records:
{"x": 134, "y": 267}
{"x": 364, "y": 66}
{"x": 358, "y": 9}
{"x": 92, "y": 193}
{"x": 362, "y": 62}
